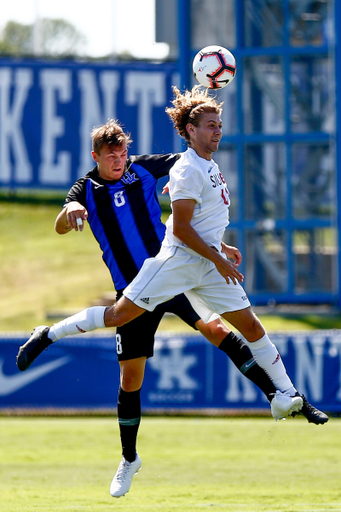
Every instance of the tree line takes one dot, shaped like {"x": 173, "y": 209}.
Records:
{"x": 46, "y": 37}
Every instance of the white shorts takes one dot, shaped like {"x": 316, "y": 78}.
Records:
{"x": 175, "y": 270}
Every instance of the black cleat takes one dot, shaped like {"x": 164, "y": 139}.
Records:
{"x": 33, "y": 347}
{"x": 312, "y": 414}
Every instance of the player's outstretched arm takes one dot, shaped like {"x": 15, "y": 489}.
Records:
{"x": 71, "y": 217}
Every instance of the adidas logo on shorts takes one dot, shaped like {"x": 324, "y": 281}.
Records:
{"x": 145, "y": 300}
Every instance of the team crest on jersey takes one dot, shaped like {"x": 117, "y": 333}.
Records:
{"x": 129, "y": 177}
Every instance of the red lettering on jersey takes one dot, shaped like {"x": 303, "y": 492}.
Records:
{"x": 225, "y": 195}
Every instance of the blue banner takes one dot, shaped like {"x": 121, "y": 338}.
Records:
{"x": 48, "y": 109}
{"x": 186, "y": 372}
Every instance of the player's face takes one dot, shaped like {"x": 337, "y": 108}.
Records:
{"x": 205, "y": 137}
{"x": 111, "y": 162}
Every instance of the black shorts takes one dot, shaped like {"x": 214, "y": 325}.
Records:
{"x": 136, "y": 338}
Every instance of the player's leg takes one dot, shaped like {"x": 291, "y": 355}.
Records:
{"x": 129, "y": 404}
{"x": 268, "y": 357}
{"x": 129, "y": 418}
{"x": 217, "y": 333}
{"x": 239, "y": 353}
{"x": 95, "y": 318}
{"x": 134, "y": 344}
{"x": 88, "y": 320}
{"x": 263, "y": 350}
{"x": 281, "y": 404}
{"x": 231, "y": 302}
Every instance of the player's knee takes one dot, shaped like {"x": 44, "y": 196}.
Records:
{"x": 130, "y": 385}
{"x": 255, "y": 329}
{"x": 115, "y": 318}
{"x": 214, "y": 331}
{"x": 121, "y": 313}
{"x": 132, "y": 374}
{"x": 219, "y": 331}
{"x": 131, "y": 381}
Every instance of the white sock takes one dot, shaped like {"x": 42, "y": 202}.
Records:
{"x": 85, "y": 321}
{"x": 268, "y": 357}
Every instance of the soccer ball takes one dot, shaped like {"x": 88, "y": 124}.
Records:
{"x": 214, "y": 67}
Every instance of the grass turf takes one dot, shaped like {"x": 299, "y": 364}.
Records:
{"x": 189, "y": 464}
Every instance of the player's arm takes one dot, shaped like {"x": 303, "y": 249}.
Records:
{"x": 71, "y": 217}
{"x": 158, "y": 165}
{"x": 183, "y": 210}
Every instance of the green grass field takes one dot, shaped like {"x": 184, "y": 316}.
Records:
{"x": 42, "y": 273}
{"x": 189, "y": 464}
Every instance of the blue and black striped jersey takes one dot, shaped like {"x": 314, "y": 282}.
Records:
{"x": 125, "y": 215}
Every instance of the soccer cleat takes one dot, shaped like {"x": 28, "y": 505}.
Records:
{"x": 33, "y": 347}
{"x": 283, "y": 405}
{"x": 121, "y": 482}
{"x": 312, "y": 414}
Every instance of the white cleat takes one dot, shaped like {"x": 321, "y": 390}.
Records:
{"x": 283, "y": 405}
{"x": 121, "y": 482}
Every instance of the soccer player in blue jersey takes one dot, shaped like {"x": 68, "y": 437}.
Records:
{"x": 118, "y": 199}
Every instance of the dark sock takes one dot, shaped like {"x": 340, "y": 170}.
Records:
{"x": 242, "y": 357}
{"x": 129, "y": 418}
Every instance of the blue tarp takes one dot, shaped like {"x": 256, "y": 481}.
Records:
{"x": 48, "y": 110}
{"x": 186, "y": 372}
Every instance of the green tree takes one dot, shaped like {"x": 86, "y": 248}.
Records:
{"x": 16, "y": 39}
{"x": 58, "y": 38}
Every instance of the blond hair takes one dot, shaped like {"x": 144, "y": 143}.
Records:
{"x": 110, "y": 134}
{"x": 188, "y": 107}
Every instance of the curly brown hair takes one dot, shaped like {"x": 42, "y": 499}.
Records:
{"x": 110, "y": 134}
{"x": 189, "y": 106}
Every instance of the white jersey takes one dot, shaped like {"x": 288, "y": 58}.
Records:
{"x": 193, "y": 177}
{"x": 177, "y": 268}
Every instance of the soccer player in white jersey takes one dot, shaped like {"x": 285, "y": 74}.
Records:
{"x": 193, "y": 258}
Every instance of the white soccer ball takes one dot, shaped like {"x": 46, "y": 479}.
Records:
{"x": 214, "y": 67}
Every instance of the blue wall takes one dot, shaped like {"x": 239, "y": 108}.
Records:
{"x": 186, "y": 372}
{"x": 47, "y": 111}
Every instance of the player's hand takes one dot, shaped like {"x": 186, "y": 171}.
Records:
{"x": 232, "y": 253}
{"x": 76, "y": 214}
{"x": 229, "y": 271}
